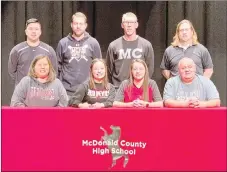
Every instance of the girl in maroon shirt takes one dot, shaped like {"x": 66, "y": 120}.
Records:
{"x": 138, "y": 90}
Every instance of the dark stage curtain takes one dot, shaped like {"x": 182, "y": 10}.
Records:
{"x": 157, "y": 23}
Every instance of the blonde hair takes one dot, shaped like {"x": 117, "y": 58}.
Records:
{"x": 51, "y": 74}
{"x": 176, "y": 39}
{"x": 145, "y": 95}
{"x": 80, "y": 15}
{"x": 129, "y": 15}
{"x": 91, "y": 80}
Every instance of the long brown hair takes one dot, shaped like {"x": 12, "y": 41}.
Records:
{"x": 145, "y": 82}
{"x": 105, "y": 79}
{"x": 176, "y": 39}
{"x": 51, "y": 74}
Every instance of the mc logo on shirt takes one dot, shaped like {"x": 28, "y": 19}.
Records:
{"x": 130, "y": 53}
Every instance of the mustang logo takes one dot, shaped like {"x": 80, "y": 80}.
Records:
{"x": 115, "y": 136}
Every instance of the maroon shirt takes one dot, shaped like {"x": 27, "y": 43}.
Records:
{"x": 124, "y": 95}
{"x": 136, "y": 93}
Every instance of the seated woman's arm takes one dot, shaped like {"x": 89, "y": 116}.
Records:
{"x": 111, "y": 96}
{"x": 78, "y": 96}
{"x": 122, "y": 104}
{"x": 119, "y": 98}
{"x": 20, "y": 93}
{"x": 157, "y": 98}
{"x": 63, "y": 101}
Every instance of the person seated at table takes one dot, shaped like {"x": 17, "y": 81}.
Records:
{"x": 189, "y": 89}
{"x": 96, "y": 92}
{"x": 138, "y": 90}
{"x": 40, "y": 87}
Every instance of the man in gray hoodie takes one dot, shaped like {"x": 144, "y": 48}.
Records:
{"x": 75, "y": 53}
{"x": 23, "y": 53}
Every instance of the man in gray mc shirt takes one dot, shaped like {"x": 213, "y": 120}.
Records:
{"x": 23, "y": 53}
{"x": 123, "y": 50}
{"x": 75, "y": 53}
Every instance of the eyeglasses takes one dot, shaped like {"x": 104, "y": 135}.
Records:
{"x": 186, "y": 30}
{"x": 129, "y": 22}
{"x": 78, "y": 24}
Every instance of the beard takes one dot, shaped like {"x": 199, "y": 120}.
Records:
{"x": 78, "y": 34}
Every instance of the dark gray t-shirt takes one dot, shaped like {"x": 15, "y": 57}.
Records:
{"x": 85, "y": 94}
{"x": 201, "y": 88}
{"x": 22, "y": 55}
{"x": 30, "y": 92}
{"x": 198, "y": 53}
{"x": 120, "y": 54}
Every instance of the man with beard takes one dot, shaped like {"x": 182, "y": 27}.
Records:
{"x": 75, "y": 53}
{"x": 23, "y": 53}
{"x": 190, "y": 90}
{"x": 123, "y": 50}
{"x": 185, "y": 44}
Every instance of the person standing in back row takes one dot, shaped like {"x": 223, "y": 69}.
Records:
{"x": 123, "y": 50}
{"x": 75, "y": 53}
{"x": 23, "y": 53}
{"x": 185, "y": 44}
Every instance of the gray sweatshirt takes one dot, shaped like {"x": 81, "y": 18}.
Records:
{"x": 91, "y": 96}
{"x": 74, "y": 60}
{"x": 120, "y": 55}
{"x": 22, "y": 55}
{"x": 30, "y": 92}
